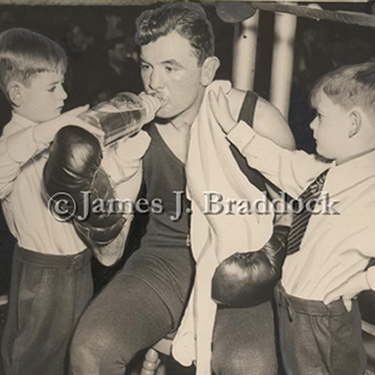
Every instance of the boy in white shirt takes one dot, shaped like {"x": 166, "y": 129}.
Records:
{"x": 51, "y": 276}
{"x": 320, "y": 326}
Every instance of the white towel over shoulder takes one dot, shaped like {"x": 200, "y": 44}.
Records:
{"x": 211, "y": 167}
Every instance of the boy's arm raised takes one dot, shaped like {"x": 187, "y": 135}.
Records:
{"x": 268, "y": 120}
{"x": 18, "y": 148}
{"x": 292, "y": 171}
{"x": 46, "y": 131}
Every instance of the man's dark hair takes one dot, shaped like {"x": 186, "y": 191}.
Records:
{"x": 187, "y": 18}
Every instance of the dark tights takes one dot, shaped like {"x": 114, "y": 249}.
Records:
{"x": 124, "y": 319}
{"x": 129, "y": 316}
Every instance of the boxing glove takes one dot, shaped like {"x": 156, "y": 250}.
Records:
{"x": 248, "y": 279}
{"x": 73, "y": 169}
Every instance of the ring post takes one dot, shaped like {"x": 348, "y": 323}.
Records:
{"x": 282, "y": 61}
{"x": 244, "y": 53}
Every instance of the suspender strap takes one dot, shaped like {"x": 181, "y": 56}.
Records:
{"x": 248, "y": 108}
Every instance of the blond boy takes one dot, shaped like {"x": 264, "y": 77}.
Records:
{"x": 320, "y": 327}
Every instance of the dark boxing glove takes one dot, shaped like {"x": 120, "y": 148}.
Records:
{"x": 248, "y": 279}
{"x": 74, "y": 167}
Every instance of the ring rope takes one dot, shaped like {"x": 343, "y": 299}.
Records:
{"x": 318, "y": 14}
{"x": 79, "y": 2}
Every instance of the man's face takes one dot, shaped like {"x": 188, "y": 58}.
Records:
{"x": 170, "y": 71}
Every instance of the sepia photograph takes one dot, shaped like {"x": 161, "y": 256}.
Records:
{"x": 187, "y": 187}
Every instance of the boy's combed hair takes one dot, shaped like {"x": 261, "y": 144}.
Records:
{"x": 24, "y": 53}
{"x": 187, "y": 18}
{"x": 349, "y": 86}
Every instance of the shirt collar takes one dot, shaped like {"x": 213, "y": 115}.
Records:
{"x": 347, "y": 175}
{"x": 16, "y": 124}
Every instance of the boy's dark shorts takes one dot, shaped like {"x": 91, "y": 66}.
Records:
{"x": 319, "y": 339}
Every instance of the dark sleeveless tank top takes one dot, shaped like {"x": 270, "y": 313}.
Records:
{"x": 165, "y": 179}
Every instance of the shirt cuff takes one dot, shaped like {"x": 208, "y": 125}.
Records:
{"x": 241, "y": 135}
{"x": 370, "y": 276}
{"x": 133, "y": 149}
{"x": 21, "y": 146}
{"x": 122, "y": 160}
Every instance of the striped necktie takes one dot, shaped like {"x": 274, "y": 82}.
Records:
{"x": 301, "y": 219}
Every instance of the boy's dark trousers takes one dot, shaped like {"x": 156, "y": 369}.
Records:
{"x": 47, "y": 295}
{"x": 319, "y": 339}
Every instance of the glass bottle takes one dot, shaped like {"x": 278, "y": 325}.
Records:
{"x": 122, "y": 116}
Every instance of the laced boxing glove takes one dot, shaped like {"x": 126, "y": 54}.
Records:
{"x": 248, "y": 279}
{"x": 73, "y": 168}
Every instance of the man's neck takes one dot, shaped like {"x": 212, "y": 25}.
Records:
{"x": 184, "y": 121}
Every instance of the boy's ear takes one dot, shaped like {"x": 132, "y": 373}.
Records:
{"x": 15, "y": 93}
{"x": 209, "y": 68}
{"x": 355, "y": 123}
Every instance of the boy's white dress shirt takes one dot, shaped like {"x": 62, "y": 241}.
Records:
{"x": 25, "y": 207}
{"x": 21, "y": 191}
{"x": 335, "y": 247}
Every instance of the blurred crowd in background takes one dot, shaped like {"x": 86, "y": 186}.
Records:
{"x": 99, "y": 41}
{"x": 104, "y": 60}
